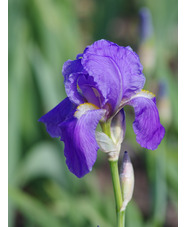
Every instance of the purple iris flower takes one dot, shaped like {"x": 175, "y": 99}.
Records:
{"x": 99, "y": 83}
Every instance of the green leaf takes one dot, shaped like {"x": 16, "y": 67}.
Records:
{"x": 33, "y": 209}
{"x": 76, "y": 209}
{"x": 43, "y": 160}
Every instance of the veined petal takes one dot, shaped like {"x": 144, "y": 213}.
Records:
{"x": 71, "y": 88}
{"x": 117, "y": 70}
{"x": 70, "y": 67}
{"x": 149, "y": 132}
{"x": 79, "y": 86}
{"x": 90, "y": 90}
{"x": 56, "y": 116}
{"x": 78, "y": 134}
{"x": 72, "y": 71}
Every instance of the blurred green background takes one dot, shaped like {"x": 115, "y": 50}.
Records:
{"x": 43, "y": 34}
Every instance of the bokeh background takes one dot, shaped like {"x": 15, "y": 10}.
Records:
{"x": 43, "y": 34}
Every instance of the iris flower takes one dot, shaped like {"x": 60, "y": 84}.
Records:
{"x": 99, "y": 83}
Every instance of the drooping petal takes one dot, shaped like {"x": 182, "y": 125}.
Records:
{"x": 147, "y": 127}
{"x": 117, "y": 70}
{"x": 78, "y": 134}
{"x": 56, "y": 116}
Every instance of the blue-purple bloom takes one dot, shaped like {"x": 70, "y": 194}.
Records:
{"x": 146, "y": 25}
{"x": 99, "y": 83}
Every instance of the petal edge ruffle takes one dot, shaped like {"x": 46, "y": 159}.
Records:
{"x": 116, "y": 70}
{"x": 147, "y": 127}
{"x": 56, "y": 116}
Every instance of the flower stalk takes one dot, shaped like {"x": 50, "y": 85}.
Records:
{"x": 115, "y": 181}
{"x": 117, "y": 193}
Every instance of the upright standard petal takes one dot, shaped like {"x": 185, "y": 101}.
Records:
{"x": 70, "y": 67}
{"x": 72, "y": 71}
{"x": 149, "y": 132}
{"x": 71, "y": 88}
{"x": 56, "y": 116}
{"x": 90, "y": 90}
{"x": 78, "y": 134}
{"x": 117, "y": 70}
{"x": 80, "y": 87}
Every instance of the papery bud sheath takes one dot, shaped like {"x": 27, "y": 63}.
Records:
{"x": 126, "y": 180}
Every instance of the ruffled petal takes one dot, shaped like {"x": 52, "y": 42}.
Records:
{"x": 116, "y": 70}
{"x": 90, "y": 90}
{"x": 71, "y": 88}
{"x": 71, "y": 71}
{"x": 70, "y": 67}
{"x": 56, "y": 116}
{"x": 147, "y": 127}
{"x": 78, "y": 134}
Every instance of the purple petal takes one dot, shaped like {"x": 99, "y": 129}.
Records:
{"x": 71, "y": 71}
{"x": 71, "y": 88}
{"x": 133, "y": 77}
{"x": 146, "y": 25}
{"x": 79, "y": 86}
{"x": 90, "y": 90}
{"x": 56, "y": 116}
{"x": 116, "y": 70}
{"x": 81, "y": 147}
{"x": 70, "y": 67}
{"x": 149, "y": 132}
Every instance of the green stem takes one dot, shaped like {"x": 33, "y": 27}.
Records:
{"x": 117, "y": 193}
{"x": 115, "y": 181}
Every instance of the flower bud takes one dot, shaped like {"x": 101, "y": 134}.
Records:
{"x": 126, "y": 180}
{"x": 164, "y": 104}
{"x": 118, "y": 128}
{"x": 146, "y": 49}
{"x": 146, "y": 26}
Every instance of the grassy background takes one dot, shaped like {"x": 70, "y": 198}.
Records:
{"x": 43, "y": 34}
